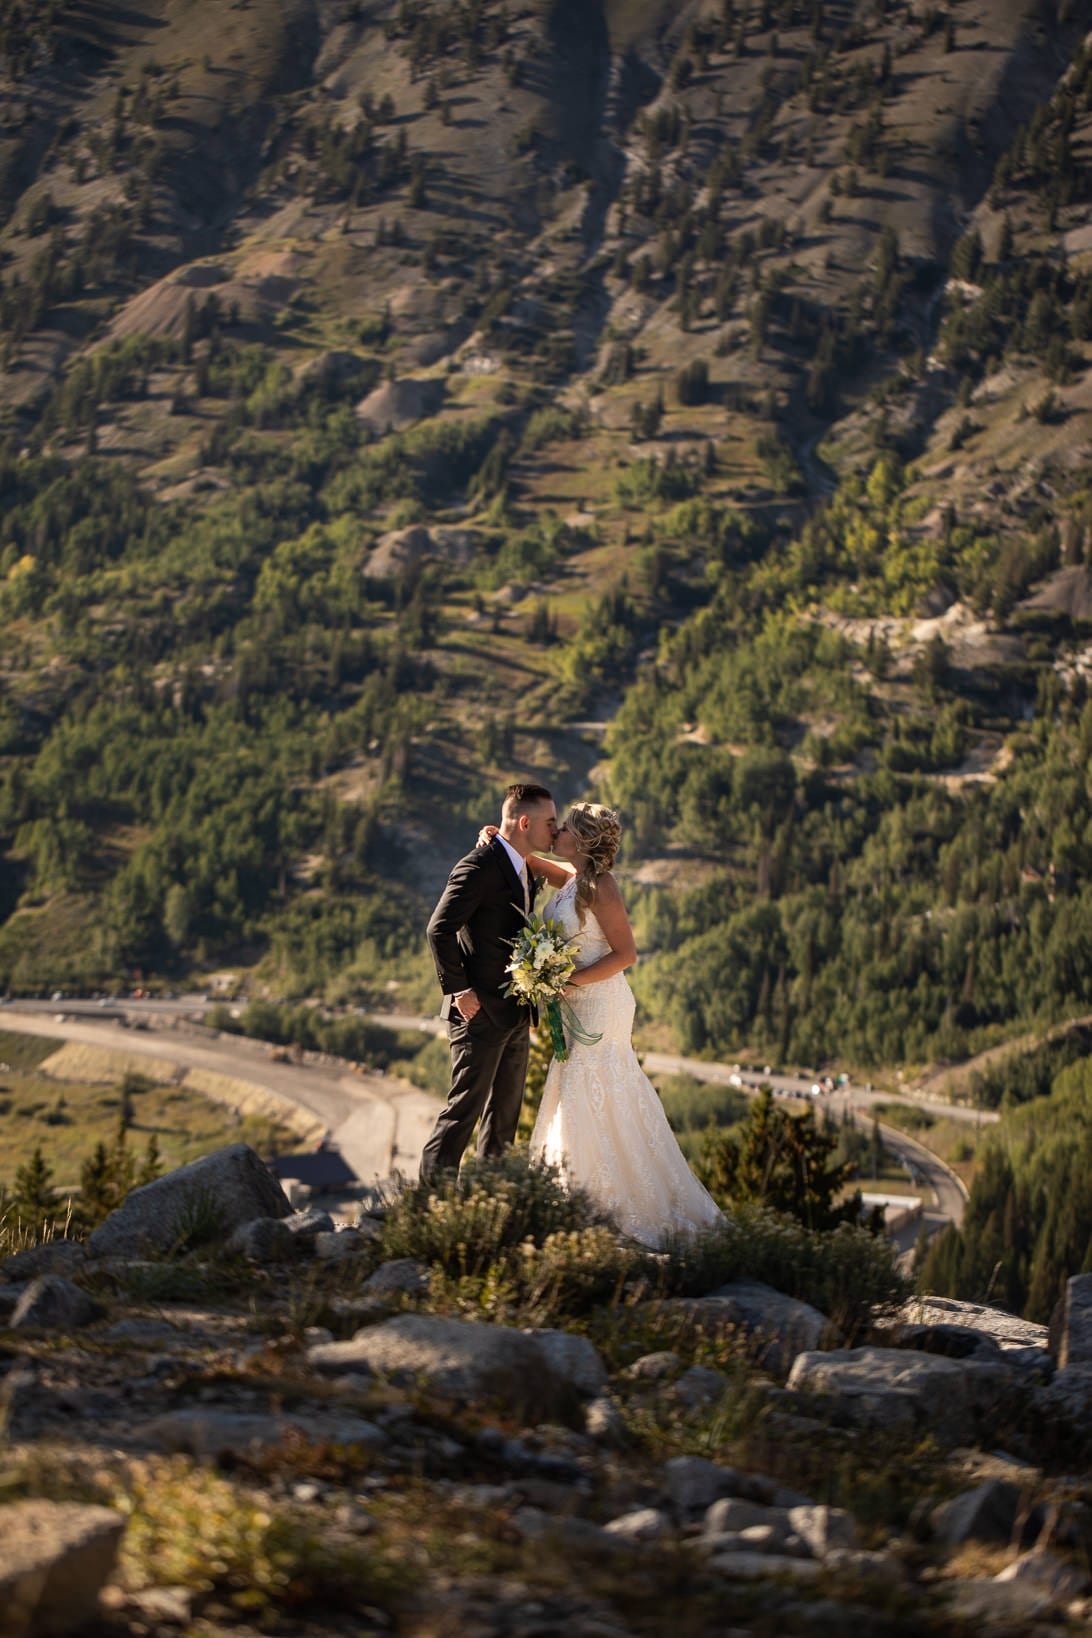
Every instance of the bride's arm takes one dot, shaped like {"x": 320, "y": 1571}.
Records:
{"x": 556, "y": 873}
{"x": 610, "y": 913}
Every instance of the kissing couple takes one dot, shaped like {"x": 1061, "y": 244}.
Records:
{"x": 601, "y": 1121}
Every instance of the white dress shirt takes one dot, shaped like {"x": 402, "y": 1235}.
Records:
{"x": 519, "y": 865}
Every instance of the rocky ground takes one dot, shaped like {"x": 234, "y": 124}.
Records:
{"x": 285, "y": 1428}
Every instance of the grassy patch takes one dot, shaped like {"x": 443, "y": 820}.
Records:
{"x": 68, "y": 1118}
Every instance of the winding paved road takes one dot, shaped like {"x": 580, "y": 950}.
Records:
{"x": 380, "y": 1123}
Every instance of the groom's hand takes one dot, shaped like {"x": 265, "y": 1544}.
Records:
{"x": 467, "y": 1005}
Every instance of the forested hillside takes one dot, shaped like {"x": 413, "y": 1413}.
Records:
{"x": 686, "y": 404}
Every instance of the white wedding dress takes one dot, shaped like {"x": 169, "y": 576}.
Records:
{"x": 600, "y": 1119}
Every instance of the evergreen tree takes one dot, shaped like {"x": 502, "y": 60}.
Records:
{"x": 33, "y": 1195}
{"x": 783, "y": 1161}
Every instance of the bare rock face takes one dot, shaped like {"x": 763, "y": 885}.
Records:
{"x": 57, "y": 1556}
{"x": 209, "y": 1197}
{"x": 398, "y": 404}
{"x": 50, "y": 1303}
{"x": 468, "y": 1360}
{"x": 401, "y": 550}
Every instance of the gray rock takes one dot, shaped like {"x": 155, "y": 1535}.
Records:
{"x": 304, "y": 1225}
{"x": 645, "y": 1524}
{"x": 263, "y": 1240}
{"x": 1005, "y": 1329}
{"x": 731, "y": 1515}
{"x": 142, "y": 1330}
{"x": 1066, "y": 1398}
{"x": 57, "y": 1557}
{"x": 404, "y": 1277}
{"x": 52, "y": 1257}
{"x": 207, "y": 1198}
{"x": 339, "y": 1247}
{"x": 604, "y": 1422}
{"x": 881, "y": 1567}
{"x": 654, "y": 1367}
{"x": 953, "y": 1341}
{"x": 694, "y": 1484}
{"x": 535, "y": 1525}
{"x": 50, "y": 1303}
{"x": 996, "y": 1606}
{"x": 699, "y": 1386}
{"x": 781, "y": 1327}
{"x": 1035, "y": 1361}
{"x": 1056, "y": 1577}
{"x": 824, "y": 1529}
{"x": 901, "y": 1389}
{"x": 9, "y": 1300}
{"x": 1070, "y": 1337}
{"x": 369, "y": 1228}
{"x": 573, "y": 1359}
{"x": 211, "y": 1433}
{"x": 986, "y": 1513}
{"x": 468, "y": 1360}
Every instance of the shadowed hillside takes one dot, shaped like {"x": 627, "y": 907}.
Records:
{"x": 396, "y": 395}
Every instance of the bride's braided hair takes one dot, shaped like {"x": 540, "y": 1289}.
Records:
{"x": 599, "y": 832}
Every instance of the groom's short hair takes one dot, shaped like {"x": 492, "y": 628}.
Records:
{"x": 521, "y": 798}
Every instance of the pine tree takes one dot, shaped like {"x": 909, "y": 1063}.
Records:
{"x": 783, "y": 1161}
{"x": 32, "y": 1198}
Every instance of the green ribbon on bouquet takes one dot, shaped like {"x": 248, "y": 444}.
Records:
{"x": 557, "y": 1011}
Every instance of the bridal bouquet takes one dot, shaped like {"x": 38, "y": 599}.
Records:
{"x": 543, "y": 961}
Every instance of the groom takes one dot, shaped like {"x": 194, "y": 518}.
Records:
{"x": 470, "y": 934}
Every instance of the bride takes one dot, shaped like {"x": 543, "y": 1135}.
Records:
{"x": 601, "y": 1120}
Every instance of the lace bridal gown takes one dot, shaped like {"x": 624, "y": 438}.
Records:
{"x": 601, "y": 1120}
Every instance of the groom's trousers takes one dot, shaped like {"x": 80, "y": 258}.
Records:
{"x": 488, "y": 1072}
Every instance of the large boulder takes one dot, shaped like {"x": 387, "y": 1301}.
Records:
{"x": 471, "y": 1361}
{"x": 902, "y": 1389}
{"x": 204, "y": 1200}
{"x": 57, "y": 1556}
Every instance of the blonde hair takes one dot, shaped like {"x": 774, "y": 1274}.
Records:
{"x": 599, "y": 832}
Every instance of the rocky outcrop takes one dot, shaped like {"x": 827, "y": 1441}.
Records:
{"x": 206, "y": 1199}
{"x": 401, "y": 550}
{"x": 395, "y": 405}
{"x": 779, "y": 1327}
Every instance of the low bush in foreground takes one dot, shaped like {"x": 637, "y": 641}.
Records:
{"x": 847, "y": 1273}
{"x": 511, "y": 1243}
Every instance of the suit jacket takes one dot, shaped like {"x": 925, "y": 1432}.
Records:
{"x": 472, "y": 928}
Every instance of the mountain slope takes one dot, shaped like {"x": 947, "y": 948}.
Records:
{"x": 388, "y": 387}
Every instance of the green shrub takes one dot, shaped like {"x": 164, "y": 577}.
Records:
{"x": 467, "y": 1222}
{"x": 848, "y": 1274}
